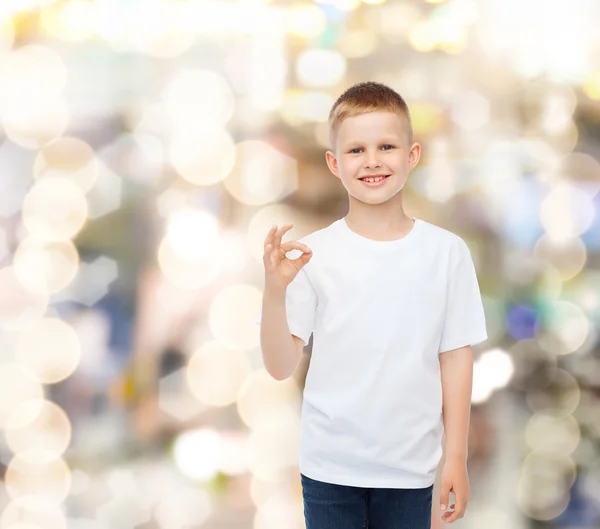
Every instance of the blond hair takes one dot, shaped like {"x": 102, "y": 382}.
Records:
{"x": 362, "y": 98}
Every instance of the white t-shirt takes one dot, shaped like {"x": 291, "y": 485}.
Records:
{"x": 380, "y": 313}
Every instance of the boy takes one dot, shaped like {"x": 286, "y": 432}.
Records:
{"x": 394, "y": 305}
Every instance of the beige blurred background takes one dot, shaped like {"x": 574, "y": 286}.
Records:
{"x": 148, "y": 146}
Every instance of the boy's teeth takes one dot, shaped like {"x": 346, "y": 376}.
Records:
{"x": 374, "y": 179}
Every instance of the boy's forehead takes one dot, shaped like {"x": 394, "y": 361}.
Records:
{"x": 372, "y": 125}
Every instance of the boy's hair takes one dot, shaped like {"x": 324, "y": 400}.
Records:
{"x": 362, "y": 98}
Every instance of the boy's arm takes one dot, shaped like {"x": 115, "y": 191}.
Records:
{"x": 456, "y": 368}
{"x": 281, "y": 350}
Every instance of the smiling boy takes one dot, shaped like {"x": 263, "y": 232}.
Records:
{"x": 394, "y": 307}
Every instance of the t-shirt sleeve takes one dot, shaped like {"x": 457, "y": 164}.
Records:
{"x": 301, "y": 306}
{"x": 464, "y": 322}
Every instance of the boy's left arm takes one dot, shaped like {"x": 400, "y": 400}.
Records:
{"x": 456, "y": 368}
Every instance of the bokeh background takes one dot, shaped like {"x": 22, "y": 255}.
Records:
{"x": 147, "y": 148}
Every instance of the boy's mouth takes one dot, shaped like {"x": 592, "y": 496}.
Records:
{"x": 374, "y": 179}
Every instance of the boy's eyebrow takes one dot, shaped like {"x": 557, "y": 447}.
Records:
{"x": 382, "y": 140}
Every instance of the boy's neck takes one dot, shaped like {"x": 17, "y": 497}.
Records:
{"x": 379, "y": 226}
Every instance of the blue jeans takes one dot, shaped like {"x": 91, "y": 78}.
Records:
{"x": 331, "y": 506}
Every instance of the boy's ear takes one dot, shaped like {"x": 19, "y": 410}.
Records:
{"x": 332, "y": 162}
{"x": 414, "y": 156}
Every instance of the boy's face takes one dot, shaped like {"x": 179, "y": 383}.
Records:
{"x": 371, "y": 144}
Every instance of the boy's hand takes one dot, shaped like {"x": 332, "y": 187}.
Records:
{"x": 454, "y": 478}
{"x": 279, "y": 270}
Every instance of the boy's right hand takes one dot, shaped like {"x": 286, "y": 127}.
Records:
{"x": 279, "y": 270}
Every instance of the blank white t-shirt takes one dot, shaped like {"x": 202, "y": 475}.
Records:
{"x": 380, "y": 313}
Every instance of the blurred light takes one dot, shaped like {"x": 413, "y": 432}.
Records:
{"x": 54, "y": 209}
{"x": 558, "y": 48}
{"x": 500, "y": 366}
{"x": 581, "y": 170}
{"x": 567, "y": 256}
{"x": 445, "y": 29}
{"x": 34, "y": 425}
{"x": 182, "y": 507}
{"x": 68, "y": 157}
{"x": 91, "y": 283}
{"x": 93, "y": 329}
{"x": 71, "y": 20}
{"x": 42, "y": 123}
{"x": 426, "y": 118}
{"x": 373, "y": 2}
{"x": 26, "y": 474}
{"x": 31, "y": 77}
{"x": 553, "y": 390}
{"x": 470, "y": 110}
{"x": 356, "y": 43}
{"x": 320, "y": 68}
{"x": 543, "y": 489}
{"x": 570, "y": 324}
{"x": 591, "y": 85}
{"x": 19, "y": 307}
{"x": 315, "y": 106}
{"x": 45, "y": 267}
{"x": 305, "y": 20}
{"x": 321, "y": 135}
{"x": 261, "y": 174}
{"x": 183, "y": 272}
{"x": 264, "y": 401}
{"x": 128, "y": 502}
{"x": 50, "y": 350}
{"x": 522, "y": 321}
{"x": 16, "y": 386}
{"x": 566, "y": 212}
{"x": 105, "y": 195}
{"x": 33, "y": 512}
{"x": 491, "y": 371}
{"x": 216, "y": 373}
{"x": 546, "y": 433}
{"x": 175, "y": 397}
{"x": 231, "y": 316}
{"x": 342, "y": 5}
{"x": 422, "y": 37}
{"x": 273, "y": 448}
{"x": 191, "y": 265}
{"x": 159, "y": 28}
{"x": 202, "y": 157}
{"x": 7, "y": 33}
{"x": 193, "y": 225}
{"x": 199, "y": 95}
{"x": 3, "y": 244}
{"x": 197, "y": 453}
{"x": 393, "y": 21}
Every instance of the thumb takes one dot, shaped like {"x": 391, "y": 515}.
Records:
{"x": 304, "y": 258}
{"x": 444, "y": 496}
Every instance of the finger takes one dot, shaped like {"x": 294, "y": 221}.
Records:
{"x": 455, "y": 515}
{"x": 451, "y": 517}
{"x": 269, "y": 237}
{"x": 290, "y": 245}
{"x": 444, "y": 494}
{"x": 279, "y": 234}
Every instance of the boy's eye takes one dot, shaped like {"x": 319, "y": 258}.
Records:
{"x": 358, "y": 148}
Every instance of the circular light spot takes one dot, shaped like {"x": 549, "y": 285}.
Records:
{"x": 38, "y": 424}
{"x": 54, "y": 209}
{"x": 45, "y": 267}
{"x": 50, "y": 349}
{"x": 215, "y": 374}
{"x": 19, "y": 307}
